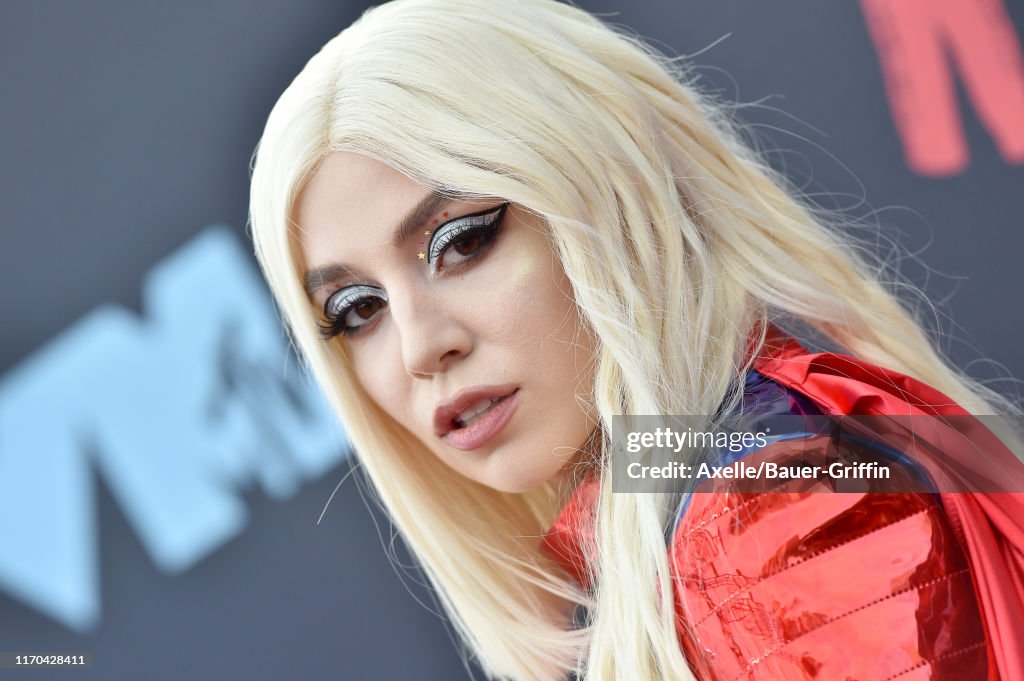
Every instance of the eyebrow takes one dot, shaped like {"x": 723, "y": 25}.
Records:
{"x": 421, "y": 212}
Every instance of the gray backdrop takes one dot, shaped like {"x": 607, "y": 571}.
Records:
{"x": 127, "y": 131}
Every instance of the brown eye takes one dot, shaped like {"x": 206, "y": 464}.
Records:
{"x": 464, "y": 239}
{"x": 368, "y": 308}
{"x": 468, "y": 245}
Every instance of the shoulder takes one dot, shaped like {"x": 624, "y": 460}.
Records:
{"x": 841, "y": 384}
{"x": 834, "y": 585}
{"x": 802, "y": 575}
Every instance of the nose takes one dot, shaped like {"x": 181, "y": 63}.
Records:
{"x": 433, "y": 334}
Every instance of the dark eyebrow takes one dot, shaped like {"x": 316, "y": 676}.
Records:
{"x": 421, "y": 212}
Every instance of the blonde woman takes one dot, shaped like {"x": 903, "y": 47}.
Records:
{"x": 491, "y": 227}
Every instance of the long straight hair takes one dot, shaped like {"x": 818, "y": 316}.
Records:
{"x": 679, "y": 241}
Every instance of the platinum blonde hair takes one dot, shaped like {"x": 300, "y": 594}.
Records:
{"x": 679, "y": 243}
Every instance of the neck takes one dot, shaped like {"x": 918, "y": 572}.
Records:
{"x": 584, "y": 463}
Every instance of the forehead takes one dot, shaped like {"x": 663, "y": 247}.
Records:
{"x": 349, "y": 196}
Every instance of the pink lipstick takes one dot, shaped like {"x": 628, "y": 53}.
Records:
{"x": 474, "y": 416}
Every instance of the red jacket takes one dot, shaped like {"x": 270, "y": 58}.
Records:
{"x": 855, "y": 586}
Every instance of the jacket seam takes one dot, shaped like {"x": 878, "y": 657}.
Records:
{"x": 733, "y": 509}
{"x": 806, "y": 559}
{"x": 936, "y": 580}
{"x": 944, "y": 656}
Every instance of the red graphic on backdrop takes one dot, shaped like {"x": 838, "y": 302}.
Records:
{"x": 920, "y": 43}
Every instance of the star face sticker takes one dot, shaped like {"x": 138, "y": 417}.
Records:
{"x": 427, "y": 232}
{"x": 421, "y": 255}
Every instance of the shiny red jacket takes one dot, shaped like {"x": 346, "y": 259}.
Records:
{"x": 863, "y": 586}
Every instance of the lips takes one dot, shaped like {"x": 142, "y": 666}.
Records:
{"x": 469, "y": 402}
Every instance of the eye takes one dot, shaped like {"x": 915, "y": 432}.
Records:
{"x": 467, "y": 237}
{"x": 350, "y": 309}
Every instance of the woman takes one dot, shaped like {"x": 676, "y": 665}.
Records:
{"x": 491, "y": 227}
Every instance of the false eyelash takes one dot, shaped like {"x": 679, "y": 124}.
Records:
{"x": 329, "y": 328}
{"x": 443, "y": 237}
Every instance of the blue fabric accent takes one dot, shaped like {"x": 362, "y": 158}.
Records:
{"x": 765, "y": 399}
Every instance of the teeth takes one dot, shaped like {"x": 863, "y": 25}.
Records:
{"x": 470, "y": 416}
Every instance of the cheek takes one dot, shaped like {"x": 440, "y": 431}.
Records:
{"x": 545, "y": 324}
{"x": 526, "y": 270}
{"x": 378, "y": 368}
{"x": 538, "y": 299}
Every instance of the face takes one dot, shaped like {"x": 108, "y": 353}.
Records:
{"x": 464, "y": 329}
